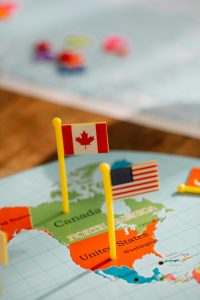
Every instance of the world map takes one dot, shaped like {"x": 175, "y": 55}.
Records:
{"x": 83, "y": 231}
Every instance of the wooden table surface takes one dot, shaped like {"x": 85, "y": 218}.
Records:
{"x": 27, "y": 136}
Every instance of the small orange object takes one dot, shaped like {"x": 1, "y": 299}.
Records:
{"x": 7, "y": 9}
{"x": 192, "y": 184}
{"x": 194, "y": 178}
{"x": 196, "y": 274}
{"x": 70, "y": 59}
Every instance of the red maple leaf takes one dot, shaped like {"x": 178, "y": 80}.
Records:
{"x": 85, "y": 140}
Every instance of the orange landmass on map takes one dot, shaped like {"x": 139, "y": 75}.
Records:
{"x": 196, "y": 274}
{"x": 14, "y": 219}
{"x": 194, "y": 178}
{"x": 93, "y": 253}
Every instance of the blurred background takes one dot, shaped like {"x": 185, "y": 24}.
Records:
{"x": 133, "y": 63}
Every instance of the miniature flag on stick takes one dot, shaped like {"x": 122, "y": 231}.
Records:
{"x": 135, "y": 180}
{"x": 193, "y": 183}
{"x": 124, "y": 183}
{"x": 3, "y": 249}
{"x": 85, "y": 138}
{"x": 75, "y": 139}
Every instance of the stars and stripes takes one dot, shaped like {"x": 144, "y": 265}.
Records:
{"x": 135, "y": 180}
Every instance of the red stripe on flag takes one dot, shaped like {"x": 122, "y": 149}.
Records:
{"x": 144, "y": 178}
{"x": 133, "y": 185}
{"x": 144, "y": 167}
{"x": 135, "y": 190}
{"x": 135, "y": 181}
{"x": 67, "y": 140}
{"x": 137, "y": 193}
{"x": 143, "y": 173}
{"x": 102, "y": 138}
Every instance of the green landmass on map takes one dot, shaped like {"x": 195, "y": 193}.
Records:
{"x": 84, "y": 229}
{"x": 86, "y": 201}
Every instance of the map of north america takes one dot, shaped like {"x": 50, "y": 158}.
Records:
{"x": 84, "y": 229}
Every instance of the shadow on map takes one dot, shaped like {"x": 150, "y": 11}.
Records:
{"x": 63, "y": 285}
{"x": 72, "y": 280}
{"x": 176, "y": 194}
{"x": 101, "y": 264}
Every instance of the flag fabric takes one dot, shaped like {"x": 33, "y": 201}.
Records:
{"x": 135, "y": 180}
{"x": 194, "y": 178}
{"x": 85, "y": 138}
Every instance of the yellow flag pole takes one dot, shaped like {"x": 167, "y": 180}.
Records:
{"x": 3, "y": 249}
{"x": 105, "y": 170}
{"x": 61, "y": 160}
{"x": 182, "y": 188}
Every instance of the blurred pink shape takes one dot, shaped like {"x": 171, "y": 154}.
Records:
{"x": 117, "y": 45}
{"x": 7, "y": 9}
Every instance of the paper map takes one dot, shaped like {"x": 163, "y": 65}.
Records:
{"x": 58, "y": 256}
{"x": 156, "y": 85}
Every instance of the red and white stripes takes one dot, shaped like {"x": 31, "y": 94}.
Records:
{"x": 145, "y": 180}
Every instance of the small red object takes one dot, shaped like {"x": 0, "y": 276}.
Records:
{"x": 43, "y": 47}
{"x": 70, "y": 59}
{"x": 44, "y": 51}
{"x": 64, "y": 57}
{"x": 117, "y": 45}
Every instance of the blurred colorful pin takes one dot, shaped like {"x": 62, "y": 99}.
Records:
{"x": 69, "y": 61}
{"x": 77, "y": 41}
{"x": 117, "y": 45}
{"x": 193, "y": 183}
{"x": 44, "y": 51}
{"x": 7, "y": 8}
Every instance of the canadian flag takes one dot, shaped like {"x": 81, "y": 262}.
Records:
{"x": 85, "y": 138}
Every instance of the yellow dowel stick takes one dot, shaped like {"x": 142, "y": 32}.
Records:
{"x": 61, "y": 160}
{"x": 3, "y": 249}
{"x": 182, "y": 188}
{"x": 105, "y": 170}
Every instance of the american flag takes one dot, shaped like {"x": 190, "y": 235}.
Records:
{"x": 135, "y": 180}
